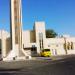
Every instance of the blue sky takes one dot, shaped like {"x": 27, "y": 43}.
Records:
{"x": 58, "y": 14}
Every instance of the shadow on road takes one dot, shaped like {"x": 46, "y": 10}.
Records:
{"x": 46, "y": 67}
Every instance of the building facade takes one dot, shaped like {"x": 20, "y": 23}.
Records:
{"x": 19, "y": 44}
{"x": 34, "y": 41}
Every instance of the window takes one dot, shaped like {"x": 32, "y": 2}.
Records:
{"x": 46, "y": 50}
{"x": 41, "y": 40}
{"x": 42, "y": 43}
{"x": 68, "y": 46}
{"x": 40, "y": 36}
{"x": 72, "y": 46}
{"x": 33, "y": 46}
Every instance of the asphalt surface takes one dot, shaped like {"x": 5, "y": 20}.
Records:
{"x": 39, "y": 67}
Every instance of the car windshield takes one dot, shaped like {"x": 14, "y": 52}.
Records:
{"x": 47, "y": 50}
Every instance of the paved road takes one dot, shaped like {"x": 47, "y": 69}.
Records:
{"x": 39, "y": 67}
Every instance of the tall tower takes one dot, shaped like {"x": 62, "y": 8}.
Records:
{"x": 16, "y": 24}
{"x": 17, "y": 51}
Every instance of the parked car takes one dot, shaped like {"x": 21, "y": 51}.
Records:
{"x": 45, "y": 53}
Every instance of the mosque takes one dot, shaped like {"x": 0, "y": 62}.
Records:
{"x": 20, "y": 44}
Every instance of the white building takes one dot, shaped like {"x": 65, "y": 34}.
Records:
{"x": 37, "y": 38}
{"x": 19, "y": 44}
{"x": 35, "y": 41}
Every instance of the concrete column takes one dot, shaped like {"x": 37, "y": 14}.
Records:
{"x": 12, "y": 27}
{"x": 16, "y": 25}
{"x": 3, "y": 40}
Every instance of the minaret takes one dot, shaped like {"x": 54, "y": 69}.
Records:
{"x": 16, "y": 32}
{"x": 16, "y": 25}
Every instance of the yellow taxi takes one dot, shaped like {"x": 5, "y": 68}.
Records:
{"x": 46, "y": 53}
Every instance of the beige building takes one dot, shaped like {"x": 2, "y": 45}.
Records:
{"x": 35, "y": 41}
{"x": 19, "y": 44}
